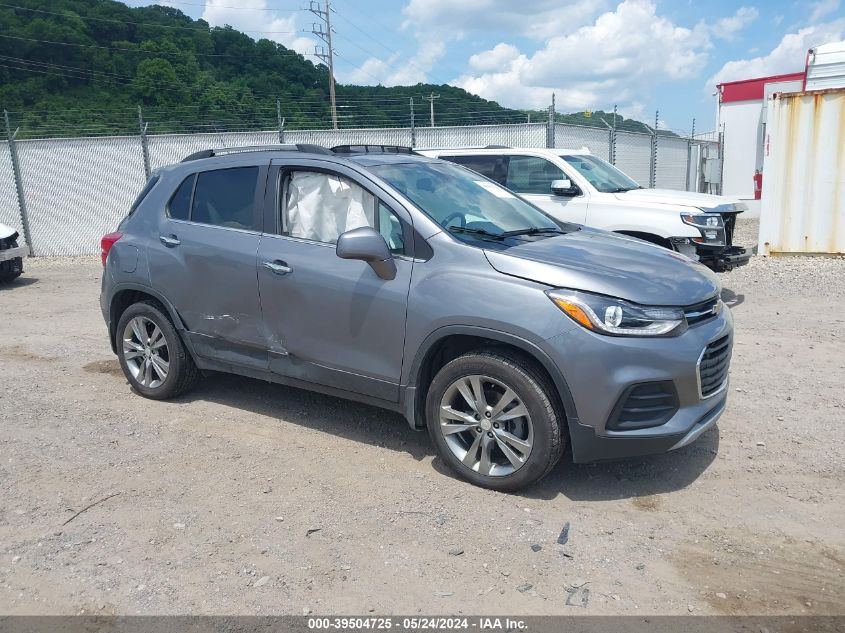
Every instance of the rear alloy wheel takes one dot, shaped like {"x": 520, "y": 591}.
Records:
{"x": 151, "y": 353}
{"x": 494, "y": 421}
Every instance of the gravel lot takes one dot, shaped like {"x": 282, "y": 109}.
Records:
{"x": 244, "y": 497}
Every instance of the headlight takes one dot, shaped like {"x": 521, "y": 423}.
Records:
{"x": 616, "y": 317}
{"x": 703, "y": 220}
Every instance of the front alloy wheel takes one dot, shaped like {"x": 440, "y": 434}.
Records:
{"x": 486, "y": 425}
{"x": 494, "y": 418}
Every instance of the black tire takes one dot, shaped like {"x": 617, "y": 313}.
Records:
{"x": 182, "y": 372}
{"x": 535, "y": 392}
{"x": 12, "y": 268}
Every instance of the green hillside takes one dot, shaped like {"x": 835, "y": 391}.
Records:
{"x": 71, "y": 67}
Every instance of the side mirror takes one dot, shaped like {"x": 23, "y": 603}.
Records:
{"x": 564, "y": 187}
{"x": 367, "y": 244}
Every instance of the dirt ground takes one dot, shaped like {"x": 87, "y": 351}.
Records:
{"x": 245, "y": 497}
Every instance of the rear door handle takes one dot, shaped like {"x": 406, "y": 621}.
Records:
{"x": 278, "y": 267}
{"x": 169, "y": 241}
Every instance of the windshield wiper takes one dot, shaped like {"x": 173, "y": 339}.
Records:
{"x": 532, "y": 231}
{"x": 479, "y": 232}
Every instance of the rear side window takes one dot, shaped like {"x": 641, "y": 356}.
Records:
{"x": 180, "y": 204}
{"x": 147, "y": 188}
{"x": 226, "y": 197}
{"x": 493, "y": 167}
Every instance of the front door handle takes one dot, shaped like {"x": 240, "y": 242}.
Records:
{"x": 278, "y": 267}
{"x": 169, "y": 240}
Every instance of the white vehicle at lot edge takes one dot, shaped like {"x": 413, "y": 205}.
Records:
{"x": 576, "y": 186}
{"x": 11, "y": 255}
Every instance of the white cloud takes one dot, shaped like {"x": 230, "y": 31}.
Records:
{"x": 822, "y": 9}
{"x": 537, "y": 19}
{"x": 727, "y": 28}
{"x": 255, "y": 18}
{"x": 394, "y": 71}
{"x": 616, "y": 59}
{"x": 788, "y": 56}
{"x": 500, "y": 56}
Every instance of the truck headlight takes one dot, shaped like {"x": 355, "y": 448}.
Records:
{"x": 703, "y": 220}
{"x": 617, "y": 317}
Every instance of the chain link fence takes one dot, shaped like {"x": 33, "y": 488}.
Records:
{"x": 77, "y": 189}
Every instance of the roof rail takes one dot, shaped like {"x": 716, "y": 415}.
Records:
{"x": 298, "y": 147}
{"x": 373, "y": 149}
{"x": 497, "y": 147}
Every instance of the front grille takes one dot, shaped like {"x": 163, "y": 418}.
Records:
{"x": 730, "y": 221}
{"x": 701, "y": 312}
{"x": 713, "y": 366}
{"x": 643, "y": 406}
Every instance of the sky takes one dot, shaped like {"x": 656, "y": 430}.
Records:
{"x": 641, "y": 55}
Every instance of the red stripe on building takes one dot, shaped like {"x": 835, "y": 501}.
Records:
{"x": 752, "y": 89}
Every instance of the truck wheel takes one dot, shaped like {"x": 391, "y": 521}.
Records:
{"x": 493, "y": 420}
{"x": 12, "y": 268}
{"x": 152, "y": 354}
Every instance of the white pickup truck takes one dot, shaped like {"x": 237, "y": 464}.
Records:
{"x": 11, "y": 255}
{"x": 576, "y": 186}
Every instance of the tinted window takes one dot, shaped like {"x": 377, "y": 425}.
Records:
{"x": 180, "y": 203}
{"x": 391, "y": 229}
{"x": 493, "y": 167}
{"x": 321, "y": 206}
{"x": 226, "y": 197}
{"x": 531, "y": 174}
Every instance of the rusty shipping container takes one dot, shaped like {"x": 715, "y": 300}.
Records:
{"x": 803, "y": 206}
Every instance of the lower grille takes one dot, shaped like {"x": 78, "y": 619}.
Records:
{"x": 643, "y": 406}
{"x": 713, "y": 366}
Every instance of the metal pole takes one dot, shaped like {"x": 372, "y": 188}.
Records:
{"x": 613, "y": 139}
{"x": 280, "y": 121}
{"x": 413, "y": 126}
{"x": 326, "y": 55}
{"x": 550, "y": 127}
{"x": 431, "y": 99}
{"x": 653, "y": 176}
{"x": 689, "y": 152}
{"x": 144, "y": 146}
{"x": 16, "y": 170}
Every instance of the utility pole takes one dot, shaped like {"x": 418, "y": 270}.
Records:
{"x": 431, "y": 99}
{"x": 325, "y": 54}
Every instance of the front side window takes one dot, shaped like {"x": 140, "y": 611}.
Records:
{"x": 463, "y": 202}
{"x": 321, "y": 206}
{"x": 532, "y": 174}
{"x": 226, "y": 197}
{"x": 601, "y": 174}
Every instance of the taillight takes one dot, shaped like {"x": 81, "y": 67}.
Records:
{"x": 107, "y": 242}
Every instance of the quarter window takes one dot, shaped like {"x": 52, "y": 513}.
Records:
{"x": 531, "y": 174}
{"x": 390, "y": 228}
{"x": 226, "y": 197}
{"x": 180, "y": 204}
{"x": 321, "y": 206}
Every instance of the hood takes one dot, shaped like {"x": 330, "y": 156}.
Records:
{"x": 609, "y": 264}
{"x": 6, "y": 231}
{"x": 703, "y": 201}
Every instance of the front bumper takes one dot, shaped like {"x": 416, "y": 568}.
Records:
{"x": 13, "y": 253}
{"x": 723, "y": 258}
{"x": 600, "y": 369}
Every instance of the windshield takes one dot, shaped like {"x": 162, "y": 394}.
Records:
{"x": 463, "y": 202}
{"x": 602, "y": 175}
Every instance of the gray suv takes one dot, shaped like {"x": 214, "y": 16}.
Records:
{"x": 413, "y": 284}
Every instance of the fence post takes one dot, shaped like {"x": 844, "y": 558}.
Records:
{"x": 689, "y": 152}
{"x": 280, "y": 121}
{"x": 653, "y": 167}
{"x": 16, "y": 170}
{"x": 142, "y": 126}
{"x": 413, "y": 126}
{"x": 550, "y": 129}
